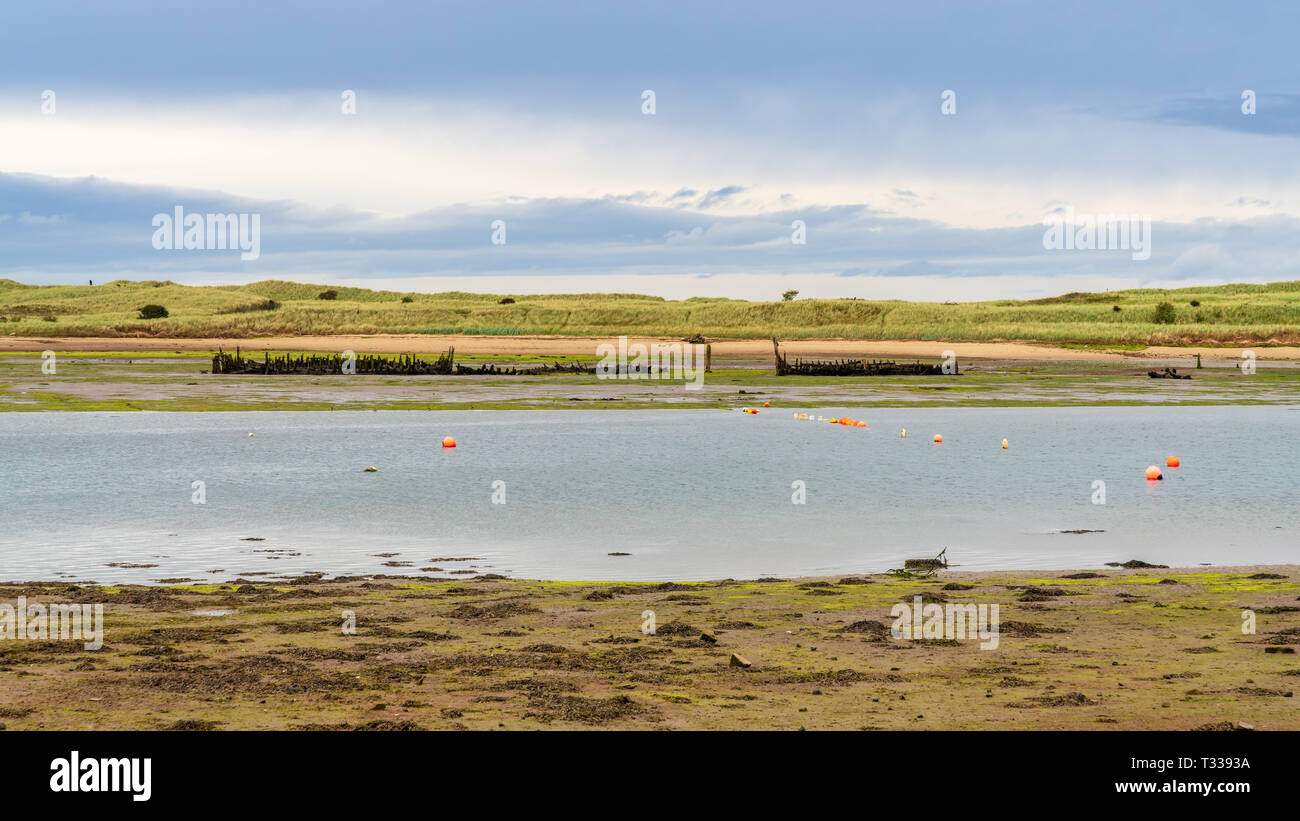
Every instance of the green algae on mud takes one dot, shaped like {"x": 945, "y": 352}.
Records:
{"x": 1148, "y": 649}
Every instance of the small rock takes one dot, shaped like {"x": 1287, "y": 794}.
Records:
{"x": 705, "y": 637}
{"x": 738, "y": 660}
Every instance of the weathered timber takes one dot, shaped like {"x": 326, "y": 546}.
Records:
{"x": 852, "y": 367}
{"x": 400, "y": 365}
{"x": 323, "y": 364}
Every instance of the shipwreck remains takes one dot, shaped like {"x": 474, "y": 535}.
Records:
{"x": 400, "y": 365}
{"x": 1168, "y": 373}
{"x": 855, "y": 367}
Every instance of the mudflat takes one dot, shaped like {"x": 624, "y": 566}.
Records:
{"x": 1111, "y": 648}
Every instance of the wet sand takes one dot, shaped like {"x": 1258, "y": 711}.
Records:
{"x": 1145, "y": 648}
{"x": 586, "y": 346}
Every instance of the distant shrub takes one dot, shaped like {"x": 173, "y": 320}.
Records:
{"x": 330, "y": 294}
{"x": 1115, "y": 308}
{"x": 1164, "y": 314}
{"x": 50, "y": 318}
{"x": 506, "y": 301}
{"x": 789, "y": 296}
{"x": 1195, "y": 303}
{"x": 153, "y": 312}
{"x": 407, "y": 300}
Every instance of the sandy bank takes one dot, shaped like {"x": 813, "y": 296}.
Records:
{"x": 586, "y": 346}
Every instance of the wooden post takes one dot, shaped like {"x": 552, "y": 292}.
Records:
{"x": 708, "y": 358}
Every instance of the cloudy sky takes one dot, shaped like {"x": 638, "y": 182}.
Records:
{"x": 764, "y": 114}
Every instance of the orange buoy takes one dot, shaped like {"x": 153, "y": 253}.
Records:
{"x": 937, "y": 438}
{"x": 859, "y": 424}
{"x": 767, "y": 404}
{"x": 1172, "y": 462}
{"x": 448, "y": 442}
{"x": 1154, "y": 474}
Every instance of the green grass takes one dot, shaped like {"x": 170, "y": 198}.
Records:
{"x": 1226, "y": 314}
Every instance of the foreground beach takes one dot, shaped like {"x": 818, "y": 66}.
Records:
{"x": 1147, "y": 648}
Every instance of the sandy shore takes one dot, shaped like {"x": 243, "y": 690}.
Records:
{"x": 1149, "y": 648}
{"x": 586, "y": 346}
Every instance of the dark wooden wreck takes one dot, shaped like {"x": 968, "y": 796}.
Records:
{"x": 853, "y": 367}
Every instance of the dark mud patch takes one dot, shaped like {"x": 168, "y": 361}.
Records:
{"x": 192, "y": 725}
{"x": 151, "y": 597}
{"x": 592, "y": 711}
{"x": 926, "y": 597}
{"x": 493, "y": 610}
{"x": 171, "y": 635}
{"x": 251, "y": 675}
{"x": 1067, "y": 700}
{"x": 676, "y": 628}
{"x": 869, "y": 627}
{"x": 1024, "y": 629}
{"x": 1040, "y": 594}
{"x": 735, "y": 625}
{"x": 378, "y": 725}
{"x": 834, "y": 677}
{"x": 535, "y": 686}
{"x": 543, "y": 648}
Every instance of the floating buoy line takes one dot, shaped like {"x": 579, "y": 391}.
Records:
{"x": 1153, "y": 472}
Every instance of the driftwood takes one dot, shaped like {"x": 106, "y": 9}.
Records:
{"x": 913, "y": 568}
{"x": 539, "y": 370}
{"x": 1168, "y": 373}
{"x": 851, "y": 367}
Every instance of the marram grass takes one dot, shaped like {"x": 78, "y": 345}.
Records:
{"x": 1225, "y": 314}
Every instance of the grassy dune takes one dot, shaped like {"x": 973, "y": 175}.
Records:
{"x": 1226, "y": 314}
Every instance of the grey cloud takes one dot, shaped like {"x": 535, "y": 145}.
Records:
{"x": 105, "y": 228}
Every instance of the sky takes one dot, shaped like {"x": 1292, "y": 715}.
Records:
{"x": 772, "y": 123}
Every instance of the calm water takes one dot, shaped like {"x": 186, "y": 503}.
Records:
{"x": 691, "y": 494}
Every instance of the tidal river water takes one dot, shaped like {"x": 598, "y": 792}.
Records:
{"x": 690, "y": 494}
